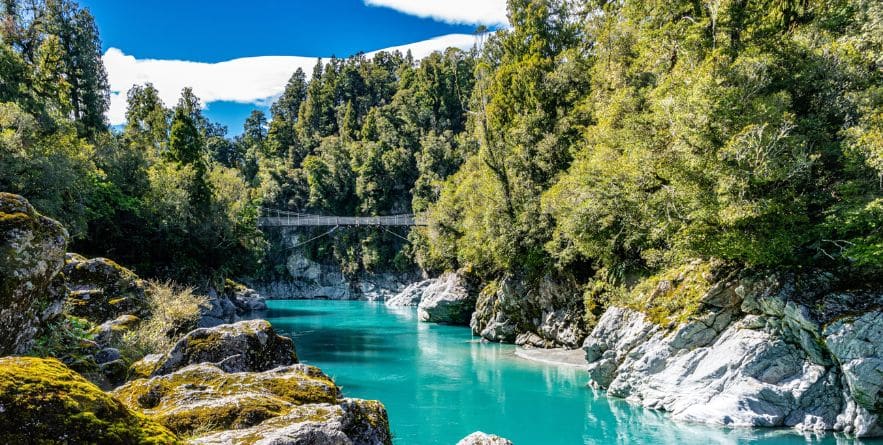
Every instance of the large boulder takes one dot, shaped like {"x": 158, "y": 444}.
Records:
{"x": 543, "y": 313}
{"x": 31, "y": 254}
{"x": 191, "y": 398}
{"x": 449, "y": 299}
{"x": 479, "y": 438}
{"x": 244, "y": 346}
{"x": 102, "y": 290}
{"x": 767, "y": 350}
{"x": 349, "y": 422}
{"x": 295, "y": 404}
{"x": 42, "y": 401}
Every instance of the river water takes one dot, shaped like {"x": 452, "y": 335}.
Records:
{"x": 439, "y": 384}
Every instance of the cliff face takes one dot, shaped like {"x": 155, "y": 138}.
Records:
{"x": 544, "y": 314}
{"x": 309, "y": 279}
{"x": 770, "y": 349}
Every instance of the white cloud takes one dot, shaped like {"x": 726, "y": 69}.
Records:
{"x": 477, "y": 12}
{"x": 255, "y": 80}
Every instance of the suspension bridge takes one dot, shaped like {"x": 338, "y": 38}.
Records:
{"x": 282, "y": 218}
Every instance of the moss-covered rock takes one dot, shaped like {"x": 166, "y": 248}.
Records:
{"x": 110, "y": 332}
{"x": 351, "y": 421}
{"x": 244, "y": 346}
{"x": 102, "y": 290}
{"x": 144, "y": 368}
{"x": 44, "y": 402}
{"x": 675, "y": 295}
{"x": 202, "y": 398}
{"x": 31, "y": 254}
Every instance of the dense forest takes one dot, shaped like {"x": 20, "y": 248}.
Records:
{"x": 596, "y": 140}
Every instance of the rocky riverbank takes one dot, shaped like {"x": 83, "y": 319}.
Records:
{"x": 764, "y": 349}
{"x": 115, "y": 359}
{"x": 537, "y": 314}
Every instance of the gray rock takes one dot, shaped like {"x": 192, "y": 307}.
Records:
{"x": 101, "y": 289}
{"x": 447, "y": 300}
{"x": 114, "y": 371}
{"x": 766, "y": 349}
{"x": 31, "y": 254}
{"x": 411, "y": 295}
{"x": 309, "y": 279}
{"x": 220, "y": 310}
{"x": 735, "y": 377}
{"x": 244, "y": 346}
{"x": 857, "y": 345}
{"x": 246, "y": 300}
{"x": 479, "y": 438}
{"x": 549, "y": 309}
{"x": 111, "y": 331}
{"x": 295, "y": 404}
{"x": 352, "y": 422}
{"x": 107, "y": 355}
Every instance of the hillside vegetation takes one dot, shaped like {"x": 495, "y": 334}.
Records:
{"x": 601, "y": 141}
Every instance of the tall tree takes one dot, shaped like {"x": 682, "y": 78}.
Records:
{"x": 147, "y": 120}
{"x": 78, "y": 36}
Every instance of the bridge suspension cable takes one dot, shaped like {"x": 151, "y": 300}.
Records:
{"x": 313, "y": 239}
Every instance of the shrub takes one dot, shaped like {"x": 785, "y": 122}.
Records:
{"x": 174, "y": 311}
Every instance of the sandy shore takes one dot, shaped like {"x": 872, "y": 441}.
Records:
{"x": 564, "y": 357}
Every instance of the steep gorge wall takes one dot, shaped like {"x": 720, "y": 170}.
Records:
{"x": 309, "y": 278}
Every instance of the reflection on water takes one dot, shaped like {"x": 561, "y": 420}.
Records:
{"x": 439, "y": 384}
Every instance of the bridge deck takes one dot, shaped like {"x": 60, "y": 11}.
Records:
{"x": 314, "y": 220}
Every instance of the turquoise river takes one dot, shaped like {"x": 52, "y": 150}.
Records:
{"x": 439, "y": 384}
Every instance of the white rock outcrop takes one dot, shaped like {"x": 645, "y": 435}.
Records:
{"x": 759, "y": 355}
{"x": 411, "y": 295}
{"x": 447, "y": 299}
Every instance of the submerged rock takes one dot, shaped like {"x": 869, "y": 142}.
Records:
{"x": 479, "y": 438}
{"x": 244, "y": 346}
{"x": 102, "y": 290}
{"x": 447, "y": 300}
{"x": 42, "y": 401}
{"x": 31, "y": 254}
{"x": 767, "y": 351}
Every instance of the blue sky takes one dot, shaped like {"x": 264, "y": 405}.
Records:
{"x": 192, "y": 43}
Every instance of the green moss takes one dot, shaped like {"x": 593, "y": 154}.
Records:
{"x": 203, "y": 398}
{"x": 670, "y": 297}
{"x": 142, "y": 369}
{"x": 45, "y": 402}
